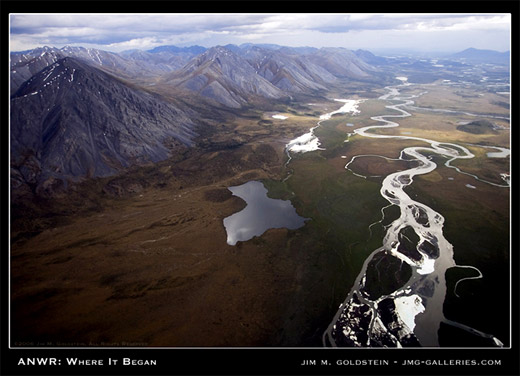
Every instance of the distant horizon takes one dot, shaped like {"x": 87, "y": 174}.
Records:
{"x": 376, "y": 51}
{"x": 420, "y": 33}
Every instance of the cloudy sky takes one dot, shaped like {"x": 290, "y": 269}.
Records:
{"x": 118, "y": 32}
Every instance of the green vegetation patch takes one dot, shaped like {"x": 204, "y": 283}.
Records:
{"x": 332, "y": 135}
{"x": 483, "y": 166}
{"x": 341, "y": 206}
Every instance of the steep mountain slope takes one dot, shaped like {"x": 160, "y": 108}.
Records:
{"x": 25, "y": 64}
{"x": 156, "y": 63}
{"x": 72, "y": 117}
{"x": 369, "y": 58}
{"x": 342, "y": 63}
{"x": 223, "y": 76}
{"x": 73, "y": 120}
{"x": 128, "y": 64}
{"x": 132, "y": 65}
{"x": 288, "y": 70}
{"x": 231, "y": 75}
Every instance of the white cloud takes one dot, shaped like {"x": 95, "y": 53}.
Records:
{"x": 138, "y": 43}
{"x": 123, "y": 31}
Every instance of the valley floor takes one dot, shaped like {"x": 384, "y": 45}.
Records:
{"x": 146, "y": 263}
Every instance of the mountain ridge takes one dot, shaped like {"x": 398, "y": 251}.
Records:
{"x": 94, "y": 102}
{"x": 223, "y": 76}
{"x": 73, "y": 120}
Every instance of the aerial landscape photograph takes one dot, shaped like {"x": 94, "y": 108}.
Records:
{"x": 260, "y": 180}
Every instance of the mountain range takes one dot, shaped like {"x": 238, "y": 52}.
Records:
{"x": 81, "y": 112}
{"x": 223, "y": 76}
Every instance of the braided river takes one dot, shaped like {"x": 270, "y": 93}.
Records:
{"x": 412, "y": 314}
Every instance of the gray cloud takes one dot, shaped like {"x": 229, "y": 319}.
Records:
{"x": 122, "y": 31}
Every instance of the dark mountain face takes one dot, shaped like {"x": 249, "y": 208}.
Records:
{"x": 73, "y": 120}
{"x": 223, "y": 76}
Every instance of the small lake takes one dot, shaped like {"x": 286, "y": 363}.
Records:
{"x": 260, "y": 214}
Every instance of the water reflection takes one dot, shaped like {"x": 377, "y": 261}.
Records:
{"x": 260, "y": 214}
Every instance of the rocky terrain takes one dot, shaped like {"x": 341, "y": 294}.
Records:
{"x": 80, "y": 112}
{"x": 71, "y": 120}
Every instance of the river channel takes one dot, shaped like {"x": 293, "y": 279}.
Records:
{"x": 412, "y": 314}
